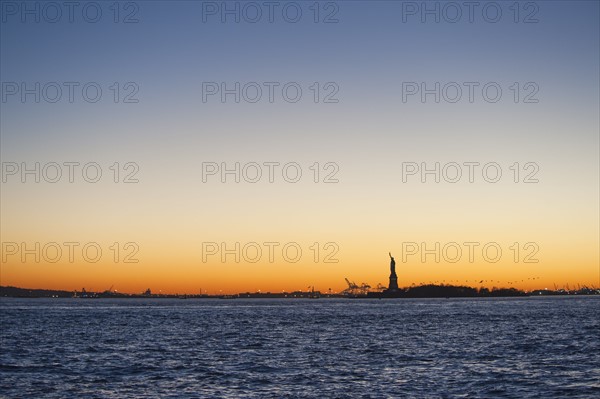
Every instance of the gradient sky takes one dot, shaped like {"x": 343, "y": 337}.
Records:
{"x": 369, "y": 133}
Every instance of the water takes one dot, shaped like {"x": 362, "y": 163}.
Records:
{"x": 151, "y": 348}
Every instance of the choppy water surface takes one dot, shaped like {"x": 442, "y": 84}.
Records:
{"x": 138, "y": 348}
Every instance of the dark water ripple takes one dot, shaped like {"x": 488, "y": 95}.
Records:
{"x": 475, "y": 348}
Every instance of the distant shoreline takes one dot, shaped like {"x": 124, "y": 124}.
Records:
{"x": 425, "y": 291}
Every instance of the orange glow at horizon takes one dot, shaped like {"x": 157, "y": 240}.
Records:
{"x": 243, "y": 277}
{"x": 170, "y": 242}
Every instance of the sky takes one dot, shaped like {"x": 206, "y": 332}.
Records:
{"x": 362, "y": 98}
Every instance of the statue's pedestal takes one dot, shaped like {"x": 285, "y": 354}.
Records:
{"x": 393, "y": 286}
